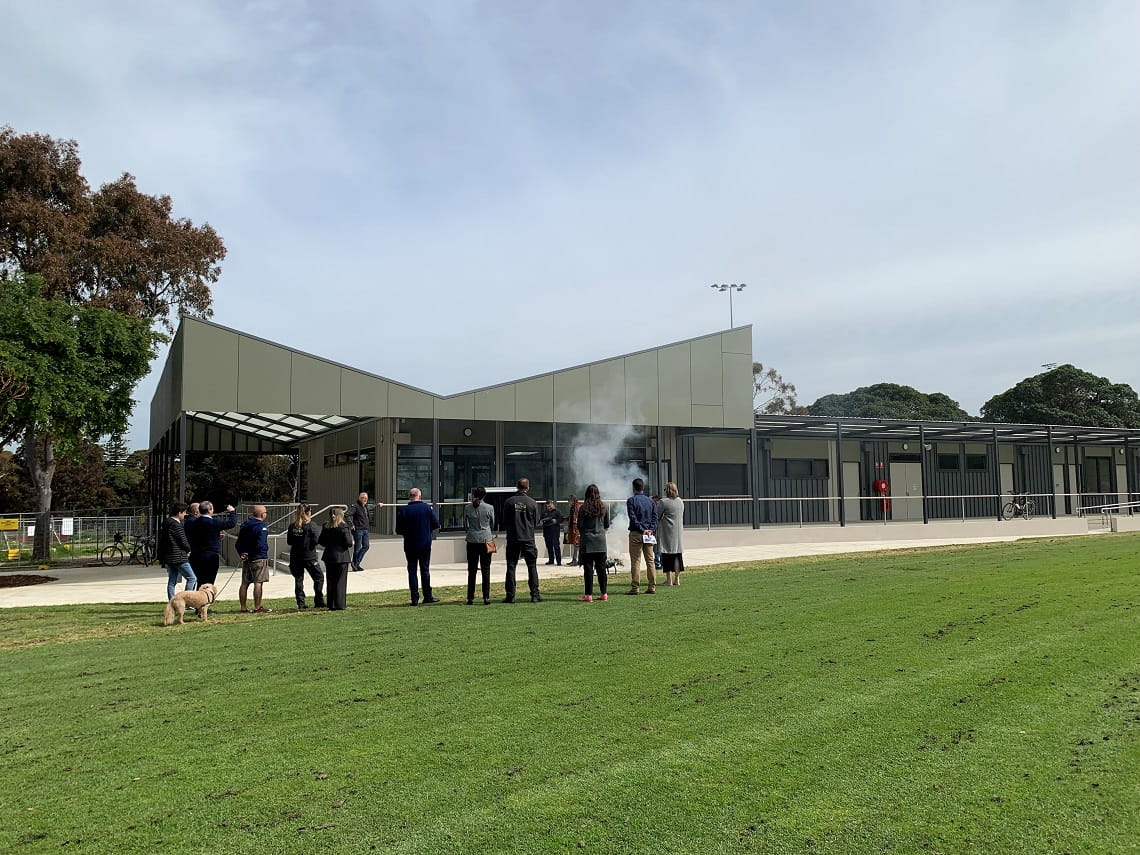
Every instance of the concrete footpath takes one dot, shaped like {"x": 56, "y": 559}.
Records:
{"x": 134, "y": 584}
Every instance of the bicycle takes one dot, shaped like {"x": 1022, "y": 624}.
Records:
{"x": 142, "y": 551}
{"x": 1020, "y": 506}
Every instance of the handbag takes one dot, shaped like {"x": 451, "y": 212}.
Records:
{"x": 491, "y": 547}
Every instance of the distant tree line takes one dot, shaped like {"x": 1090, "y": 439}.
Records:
{"x": 1064, "y": 395}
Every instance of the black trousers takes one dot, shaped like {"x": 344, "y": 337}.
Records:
{"x": 338, "y": 584}
{"x": 594, "y": 562}
{"x": 553, "y": 549}
{"x": 419, "y": 558}
{"x": 206, "y": 567}
{"x": 318, "y": 576}
{"x": 528, "y": 552}
{"x": 478, "y": 559}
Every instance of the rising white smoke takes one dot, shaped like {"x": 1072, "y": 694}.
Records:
{"x": 593, "y": 460}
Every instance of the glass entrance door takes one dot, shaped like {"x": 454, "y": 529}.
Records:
{"x": 461, "y": 468}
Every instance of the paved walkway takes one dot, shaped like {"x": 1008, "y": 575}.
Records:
{"x": 133, "y": 584}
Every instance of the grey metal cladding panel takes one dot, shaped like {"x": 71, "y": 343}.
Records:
{"x": 162, "y": 402}
{"x": 362, "y": 395}
{"x": 209, "y": 369}
{"x": 738, "y": 340}
{"x": 263, "y": 377}
{"x": 534, "y": 399}
{"x": 674, "y": 383}
{"x": 707, "y": 416}
{"x": 708, "y": 374}
{"x": 496, "y": 404}
{"x": 314, "y": 386}
{"x": 405, "y": 403}
{"x": 572, "y": 395}
{"x": 460, "y": 407}
{"x": 641, "y": 389}
{"x": 607, "y": 392}
{"x": 737, "y": 392}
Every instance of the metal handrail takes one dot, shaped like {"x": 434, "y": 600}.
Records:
{"x": 1106, "y": 509}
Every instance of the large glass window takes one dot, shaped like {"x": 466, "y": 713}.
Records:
{"x": 461, "y": 468}
{"x": 1098, "y": 475}
{"x": 798, "y": 468}
{"x": 367, "y": 458}
{"x": 721, "y": 479}
{"x": 533, "y": 462}
{"x": 413, "y": 469}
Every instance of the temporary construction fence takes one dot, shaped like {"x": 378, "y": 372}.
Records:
{"x": 73, "y": 538}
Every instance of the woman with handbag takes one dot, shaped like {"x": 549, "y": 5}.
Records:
{"x": 479, "y": 523}
{"x": 593, "y": 520}
{"x": 336, "y": 538}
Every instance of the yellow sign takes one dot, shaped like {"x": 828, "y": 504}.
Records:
{"x": 11, "y": 524}
{"x": 13, "y": 555}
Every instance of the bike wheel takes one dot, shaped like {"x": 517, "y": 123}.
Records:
{"x": 1007, "y": 511}
{"x": 147, "y": 555}
{"x": 111, "y": 556}
{"x": 1029, "y": 508}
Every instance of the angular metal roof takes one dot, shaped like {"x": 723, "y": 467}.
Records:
{"x": 824, "y": 427}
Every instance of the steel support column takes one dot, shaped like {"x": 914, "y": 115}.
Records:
{"x": 839, "y": 473}
{"x": 1049, "y": 457}
{"x": 752, "y": 480}
{"x": 436, "y": 469}
{"x": 554, "y": 463}
{"x": 997, "y": 472}
{"x": 922, "y": 473}
{"x": 182, "y": 497}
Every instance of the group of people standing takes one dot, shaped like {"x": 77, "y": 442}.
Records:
{"x": 650, "y": 523}
{"x": 190, "y": 547}
{"x": 189, "y": 544}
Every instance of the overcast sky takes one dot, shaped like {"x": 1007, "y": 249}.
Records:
{"x": 454, "y": 194}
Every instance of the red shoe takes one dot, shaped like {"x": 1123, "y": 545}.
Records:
{"x": 586, "y": 598}
{"x": 262, "y": 610}
{"x": 245, "y": 611}
{"x": 605, "y": 597}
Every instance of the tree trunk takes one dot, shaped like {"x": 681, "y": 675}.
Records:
{"x": 39, "y": 456}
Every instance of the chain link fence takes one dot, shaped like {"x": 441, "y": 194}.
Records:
{"x": 75, "y": 537}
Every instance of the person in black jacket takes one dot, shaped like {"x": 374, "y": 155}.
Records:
{"x": 336, "y": 538}
{"x": 520, "y": 513}
{"x": 302, "y": 540}
{"x": 173, "y": 550}
{"x": 205, "y": 535}
{"x": 593, "y": 520}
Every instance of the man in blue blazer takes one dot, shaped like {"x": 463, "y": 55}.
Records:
{"x": 416, "y": 521}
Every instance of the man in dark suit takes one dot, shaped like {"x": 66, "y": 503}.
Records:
{"x": 416, "y": 521}
{"x": 205, "y": 535}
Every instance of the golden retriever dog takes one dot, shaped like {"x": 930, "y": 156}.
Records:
{"x": 199, "y": 600}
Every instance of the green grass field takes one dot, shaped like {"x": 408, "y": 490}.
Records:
{"x": 982, "y": 699}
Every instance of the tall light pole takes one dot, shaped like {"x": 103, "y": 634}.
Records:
{"x": 730, "y": 289}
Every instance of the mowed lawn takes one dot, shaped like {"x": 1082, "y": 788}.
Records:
{"x": 981, "y": 699}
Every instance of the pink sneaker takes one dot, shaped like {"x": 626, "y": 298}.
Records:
{"x": 605, "y": 597}
{"x": 586, "y": 598}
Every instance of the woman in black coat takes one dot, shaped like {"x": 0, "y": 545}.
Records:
{"x": 336, "y": 538}
{"x": 302, "y": 539}
{"x": 593, "y": 520}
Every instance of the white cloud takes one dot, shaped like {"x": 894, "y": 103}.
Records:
{"x": 937, "y": 195}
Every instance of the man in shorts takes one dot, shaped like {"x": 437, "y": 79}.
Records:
{"x": 253, "y": 549}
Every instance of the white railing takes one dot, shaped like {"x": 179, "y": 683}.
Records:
{"x": 1106, "y": 511}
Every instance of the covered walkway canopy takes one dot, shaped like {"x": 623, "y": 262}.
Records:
{"x": 824, "y": 427}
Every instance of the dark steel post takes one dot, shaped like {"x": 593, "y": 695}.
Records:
{"x": 839, "y": 474}
{"x": 997, "y": 472}
{"x": 922, "y": 472}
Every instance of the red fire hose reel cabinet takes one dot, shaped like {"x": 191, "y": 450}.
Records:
{"x": 883, "y": 490}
